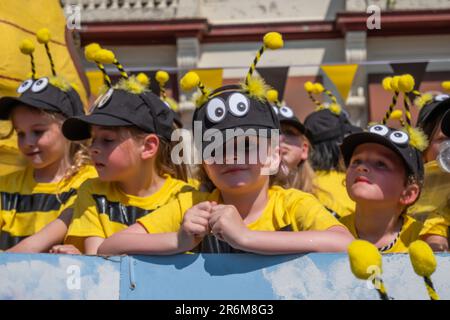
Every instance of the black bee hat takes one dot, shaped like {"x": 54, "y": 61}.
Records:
{"x": 51, "y": 93}
{"x": 128, "y": 103}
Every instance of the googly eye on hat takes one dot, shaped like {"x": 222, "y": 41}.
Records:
{"x": 39, "y": 85}
{"x": 24, "y": 86}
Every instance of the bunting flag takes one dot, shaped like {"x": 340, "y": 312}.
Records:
{"x": 416, "y": 69}
{"x": 95, "y": 78}
{"x": 276, "y": 77}
{"x": 211, "y": 78}
{"x": 342, "y": 77}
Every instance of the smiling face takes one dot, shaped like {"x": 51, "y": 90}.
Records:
{"x": 114, "y": 152}
{"x": 375, "y": 173}
{"x": 39, "y": 136}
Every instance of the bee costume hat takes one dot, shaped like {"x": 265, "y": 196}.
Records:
{"x": 128, "y": 103}
{"x": 285, "y": 114}
{"x": 328, "y": 121}
{"x": 407, "y": 142}
{"x": 243, "y": 106}
{"x": 52, "y": 93}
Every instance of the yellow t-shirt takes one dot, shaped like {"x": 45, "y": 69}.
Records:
{"x": 11, "y": 160}
{"x": 332, "y": 193}
{"x": 411, "y": 230}
{"x": 286, "y": 210}
{"x": 27, "y": 206}
{"x": 433, "y": 206}
{"x": 102, "y": 209}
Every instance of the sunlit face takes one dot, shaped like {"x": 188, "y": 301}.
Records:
{"x": 436, "y": 139}
{"x": 252, "y": 174}
{"x": 375, "y": 173}
{"x": 115, "y": 153}
{"x": 39, "y": 136}
{"x": 293, "y": 146}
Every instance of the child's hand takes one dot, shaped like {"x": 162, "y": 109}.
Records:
{"x": 196, "y": 219}
{"x": 227, "y": 225}
{"x": 65, "y": 249}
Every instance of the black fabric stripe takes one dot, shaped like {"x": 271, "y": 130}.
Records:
{"x": 8, "y": 241}
{"x": 210, "y": 244}
{"x": 118, "y": 212}
{"x": 22, "y": 203}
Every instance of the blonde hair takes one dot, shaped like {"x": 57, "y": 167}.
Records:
{"x": 163, "y": 161}
{"x": 301, "y": 178}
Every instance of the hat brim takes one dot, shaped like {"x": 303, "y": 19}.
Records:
{"x": 295, "y": 124}
{"x": 352, "y": 141}
{"x": 8, "y": 103}
{"x": 79, "y": 128}
{"x": 430, "y": 111}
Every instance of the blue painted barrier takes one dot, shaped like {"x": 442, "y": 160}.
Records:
{"x": 208, "y": 276}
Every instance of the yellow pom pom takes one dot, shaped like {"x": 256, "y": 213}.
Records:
{"x": 335, "y": 108}
{"x": 104, "y": 56}
{"x": 318, "y": 88}
{"x": 256, "y": 88}
{"x": 272, "y": 96}
{"x": 406, "y": 83}
{"x": 143, "y": 79}
{"x": 421, "y": 101}
{"x": 162, "y": 77}
{"x": 396, "y": 114}
{"x": 90, "y": 51}
{"x": 387, "y": 84}
{"x": 43, "y": 35}
{"x": 363, "y": 256}
{"x": 273, "y": 40}
{"x": 417, "y": 138}
{"x": 189, "y": 81}
{"x": 132, "y": 85}
{"x": 394, "y": 83}
{"x": 446, "y": 85}
{"x": 309, "y": 86}
{"x": 422, "y": 258}
{"x": 26, "y": 46}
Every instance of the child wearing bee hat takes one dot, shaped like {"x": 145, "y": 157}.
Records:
{"x": 326, "y": 127}
{"x": 384, "y": 177}
{"x": 130, "y": 130}
{"x": 296, "y": 171}
{"x": 244, "y": 212}
{"x": 44, "y": 192}
{"x": 432, "y": 206}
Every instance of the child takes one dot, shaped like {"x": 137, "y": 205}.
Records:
{"x": 130, "y": 129}
{"x": 384, "y": 177}
{"x": 34, "y": 197}
{"x": 432, "y": 206}
{"x": 244, "y": 212}
{"x": 326, "y": 128}
{"x": 294, "y": 146}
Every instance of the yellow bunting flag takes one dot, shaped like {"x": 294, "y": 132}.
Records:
{"x": 342, "y": 77}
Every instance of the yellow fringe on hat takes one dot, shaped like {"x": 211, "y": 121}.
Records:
{"x": 256, "y": 88}
{"x": 60, "y": 83}
{"x": 131, "y": 85}
{"x": 417, "y": 138}
{"x": 422, "y": 100}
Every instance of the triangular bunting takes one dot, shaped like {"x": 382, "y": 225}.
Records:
{"x": 342, "y": 77}
{"x": 275, "y": 77}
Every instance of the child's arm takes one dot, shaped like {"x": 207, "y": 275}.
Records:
{"x": 91, "y": 245}
{"x": 228, "y": 226}
{"x": 136, "y": 239}
{"x": 437, "y": 243}
{"x": 52, "y": 234}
